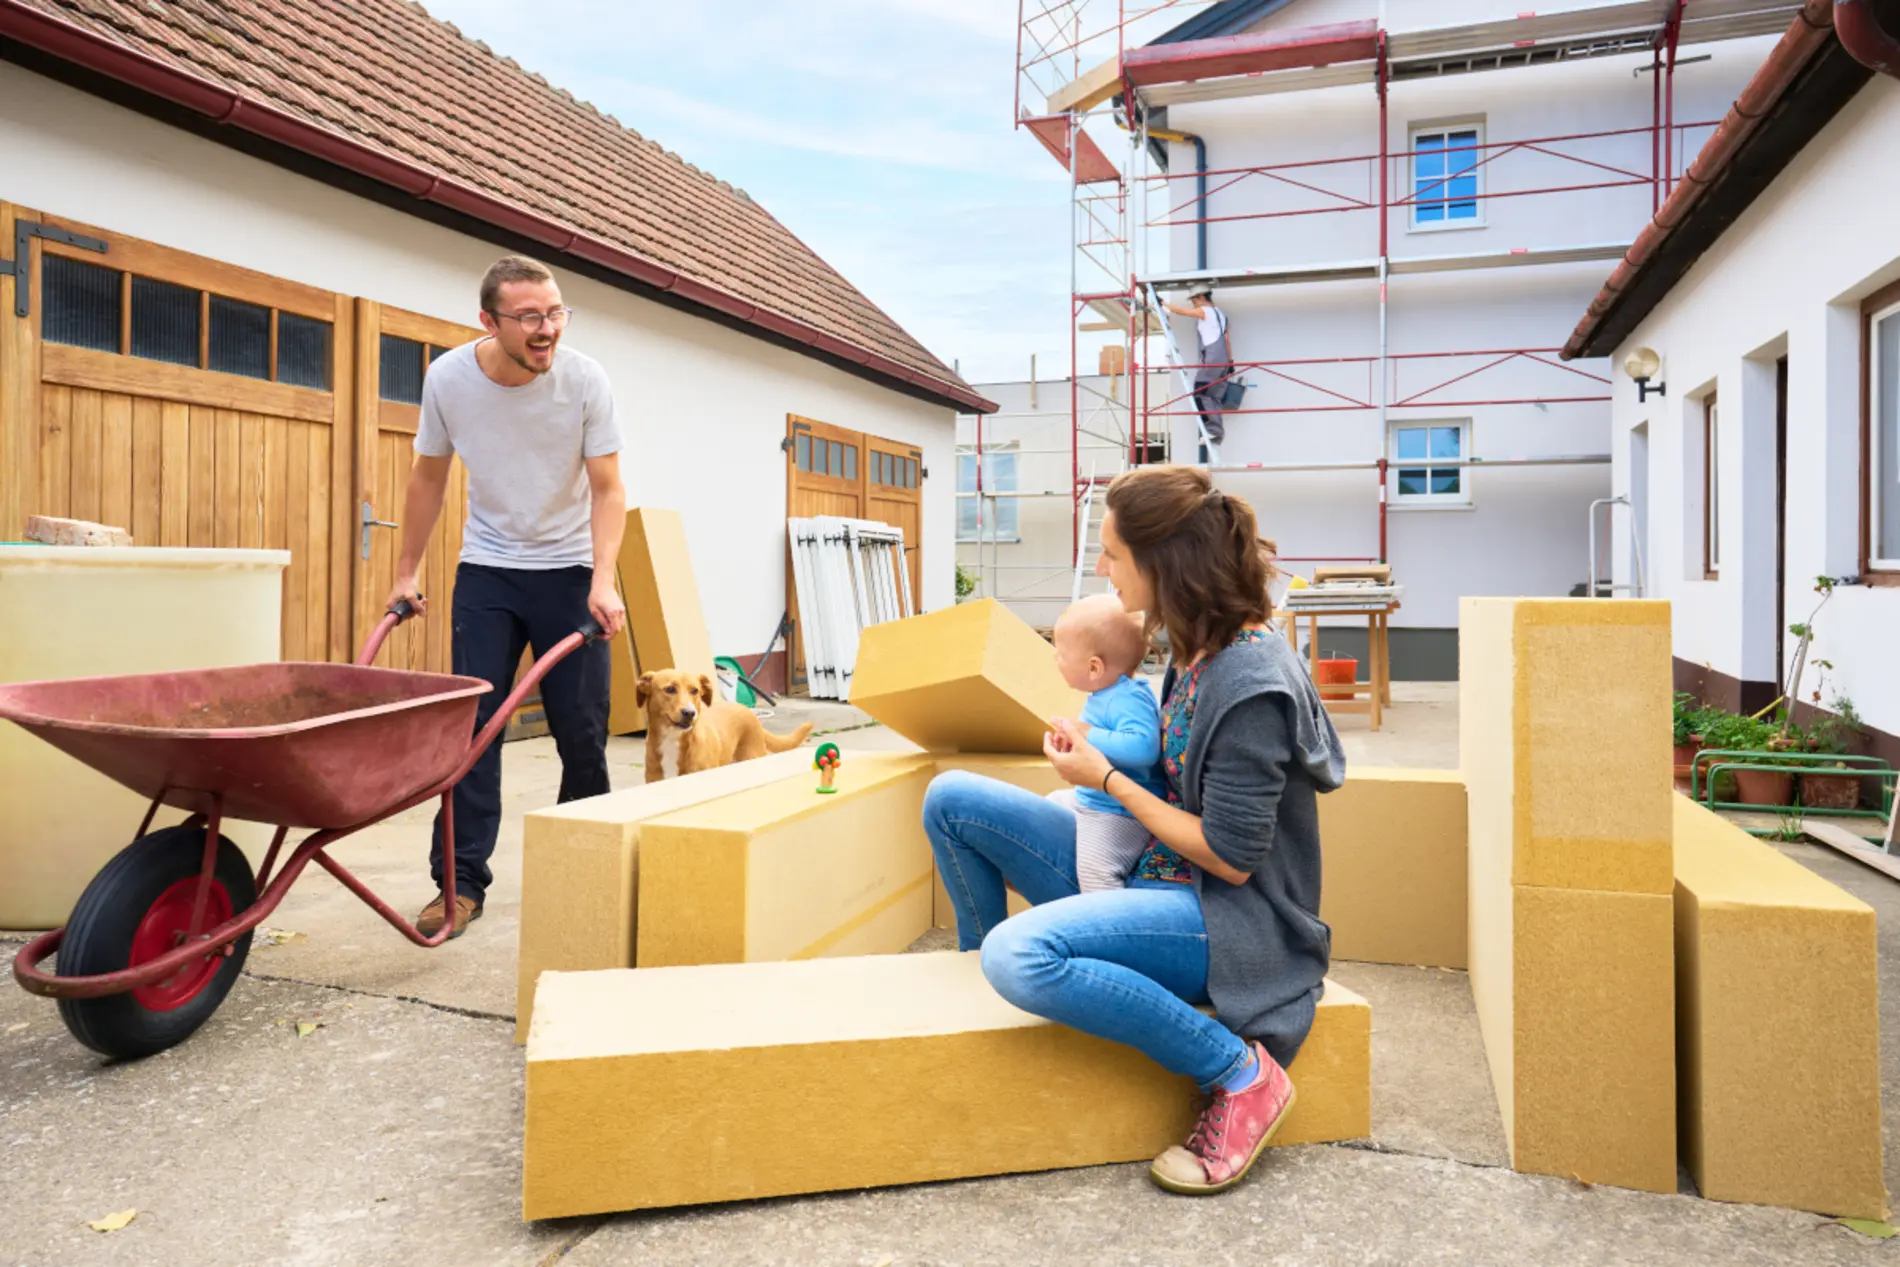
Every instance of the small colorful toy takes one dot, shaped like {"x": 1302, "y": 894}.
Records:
{"x": 826, "y": 762}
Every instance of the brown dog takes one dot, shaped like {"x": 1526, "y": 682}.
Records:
{"x": 688, "y": 730}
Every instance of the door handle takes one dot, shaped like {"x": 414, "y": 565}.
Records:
{"x": 371, "y": 521}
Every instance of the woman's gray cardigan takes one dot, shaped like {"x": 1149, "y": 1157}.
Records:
{"x": 1260, "y": 750}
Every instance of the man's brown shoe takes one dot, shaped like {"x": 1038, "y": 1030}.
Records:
{"x": 429, "y": 923}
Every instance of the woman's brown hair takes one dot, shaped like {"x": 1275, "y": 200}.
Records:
{"x": 1200, "y": 550}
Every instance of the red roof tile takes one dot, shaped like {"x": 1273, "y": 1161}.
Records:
{"x": 388, "y": 80}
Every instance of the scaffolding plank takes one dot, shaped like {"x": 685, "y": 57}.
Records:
{"x": 1499, "y": 45}
{"x": 1518, "y": 258}
{"x": 1358, "y": 270}
{"x": 1091, "y": 165}
{"x": 1268, "y": 275}
{"x": 1253, "y": 54}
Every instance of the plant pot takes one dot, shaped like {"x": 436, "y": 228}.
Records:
{"x": 1685, "y": 758}
{"x": 1764, "y": 787}
{"x": 1830, "y": 791}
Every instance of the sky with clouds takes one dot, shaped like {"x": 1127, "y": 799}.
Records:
{"x": 879, "y": 131}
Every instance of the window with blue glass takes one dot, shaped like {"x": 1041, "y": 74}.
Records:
{"x": 1000, "y": 514}
{"x": 1422, "y": 459}
{"x": 1447, "y": 177}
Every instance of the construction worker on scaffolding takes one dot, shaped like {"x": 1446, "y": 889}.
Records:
{"x": 1216, "y": 363}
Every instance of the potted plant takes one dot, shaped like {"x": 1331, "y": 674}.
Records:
{"x": 1729, "y": 732}
{"x": 1689, "y": 715}
{"x": 1834, "y": 735}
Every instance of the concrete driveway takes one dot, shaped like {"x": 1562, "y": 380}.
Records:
{"x": 390, "y": 1132}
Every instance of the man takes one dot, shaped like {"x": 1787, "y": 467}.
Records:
{"x": 1216, "y": 359}
{"x": 534, "y": 425}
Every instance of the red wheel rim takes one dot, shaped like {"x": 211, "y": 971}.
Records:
{"x": 163, "y": 930}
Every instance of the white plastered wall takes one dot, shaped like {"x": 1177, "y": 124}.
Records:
{"x": 1786, "y": 279}
{"x": 1527, "y": 529}
{"x": 703, "y": 407}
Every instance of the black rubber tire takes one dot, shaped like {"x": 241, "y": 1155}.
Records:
{"x": 99, "y": 939}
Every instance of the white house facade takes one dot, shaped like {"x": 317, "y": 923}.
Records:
{"x": 1400, "y": 209}
{"x": 704, "y": 397}
{"x": 1759, "y": 454}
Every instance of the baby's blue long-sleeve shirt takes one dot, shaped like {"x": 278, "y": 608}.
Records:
{"x": 1124, "y": 726}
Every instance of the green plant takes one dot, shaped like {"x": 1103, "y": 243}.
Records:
{"x": 966, "y": 582}
{"x": 1787, "y": 826}
{"x": 1688, "y": 711}
{"x": 1804, "y": 631}
{"x": 1837, "y": 730}
{"x": 1731, "y": 732}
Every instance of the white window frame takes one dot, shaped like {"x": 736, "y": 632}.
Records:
{"x": 1875, "y": 453}
{"x": 1711, "y": 486}
{"x": 1476, "y": 220}
{"x": 1006, "y": 526}
{"x": 1460, "y": 500}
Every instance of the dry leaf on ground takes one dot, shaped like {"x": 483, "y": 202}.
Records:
{"x": 1870, "y": 1227}
{"x": 113, "y": 1222}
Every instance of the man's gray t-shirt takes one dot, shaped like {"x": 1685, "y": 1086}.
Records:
{"x": 524, "y": 447}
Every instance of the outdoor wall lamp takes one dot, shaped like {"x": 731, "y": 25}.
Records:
{"x": 1642, "y": 365}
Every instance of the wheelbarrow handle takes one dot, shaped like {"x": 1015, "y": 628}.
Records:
{"x": 400, "y": 610}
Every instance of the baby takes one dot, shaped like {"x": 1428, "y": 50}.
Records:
{"x": 1097, "y": 646}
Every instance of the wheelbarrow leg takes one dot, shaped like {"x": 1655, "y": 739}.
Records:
{"x": 213, "y": 822}
{"x": 389, "y": 913}
{"x": 448, "y": 861}
{"x": 270, "y": 859}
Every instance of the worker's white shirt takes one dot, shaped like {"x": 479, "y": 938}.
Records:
{"x": 1210, "y": 325}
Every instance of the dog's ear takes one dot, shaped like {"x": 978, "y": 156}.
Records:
{"x": 706, "y": 688}
{"x": 642, "y": 689}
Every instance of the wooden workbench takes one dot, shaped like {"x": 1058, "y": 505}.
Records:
{"x": 1378, "y": 689}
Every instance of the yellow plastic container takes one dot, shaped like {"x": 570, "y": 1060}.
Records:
{"x": 92, "y": 612}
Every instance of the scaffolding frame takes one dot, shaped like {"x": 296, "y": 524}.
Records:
{"x": 1111, "y": 222}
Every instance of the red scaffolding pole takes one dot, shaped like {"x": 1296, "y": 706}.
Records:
{"x": 1104, "y": 224}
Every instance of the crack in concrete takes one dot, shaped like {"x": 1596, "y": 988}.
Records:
{"x": 572, "y": 1243}
{"x": 452, "y": 1009}
{"x": 1374, "y": 1146}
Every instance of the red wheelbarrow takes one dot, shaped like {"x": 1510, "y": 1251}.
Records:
{"x": 160, "y": 934}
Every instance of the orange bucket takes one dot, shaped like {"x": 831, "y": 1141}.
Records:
{"x": 1337, "y": 672}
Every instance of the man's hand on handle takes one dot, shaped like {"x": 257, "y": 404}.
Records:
{"x": 406, "y": 590}
{"x": 603, "y": 602}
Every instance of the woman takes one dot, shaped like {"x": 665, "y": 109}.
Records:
{"x": 1224, "y": 905}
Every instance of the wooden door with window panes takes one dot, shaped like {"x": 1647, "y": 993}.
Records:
{"x": 894, "y": 495}
{"x": 834, "y": 471}
{"x": 393, "y": 352}
{"x": 824, "y": 475}
{"x": 192, "y": 402}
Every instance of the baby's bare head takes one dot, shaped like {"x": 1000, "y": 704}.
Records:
{"x": 1098, "y": 629}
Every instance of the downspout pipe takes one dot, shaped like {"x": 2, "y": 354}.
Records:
{"x": 1864, "y": 39}
{"x": 1200, "y": 187}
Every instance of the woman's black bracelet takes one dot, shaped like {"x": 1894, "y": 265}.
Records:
{"x": 1105, "y": 779}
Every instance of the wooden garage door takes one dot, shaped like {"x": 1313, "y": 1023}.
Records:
{"x": 833, "y": 471}
{"x": 894, "y": 495}
{"x": 393, "y": 351}
{"x": 190, "y": 401}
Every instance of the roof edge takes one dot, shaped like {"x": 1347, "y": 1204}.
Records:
{"x": 1618, "y": 307}
{"x": 71, "y": 43}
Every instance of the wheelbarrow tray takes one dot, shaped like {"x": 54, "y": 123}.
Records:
{"x": 323, "y": 746}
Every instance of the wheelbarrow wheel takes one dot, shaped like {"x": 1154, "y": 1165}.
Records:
{"x": 136, "y": 909}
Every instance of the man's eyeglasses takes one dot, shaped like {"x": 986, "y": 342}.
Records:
{"x": 532, "y": 322}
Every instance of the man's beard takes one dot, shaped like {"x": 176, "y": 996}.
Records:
{"x": 530, "y": 366}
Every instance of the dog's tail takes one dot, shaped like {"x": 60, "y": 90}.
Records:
{"x": 785, "y": 743}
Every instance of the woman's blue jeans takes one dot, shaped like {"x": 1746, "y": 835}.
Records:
{"x": 1128, "y": 964}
